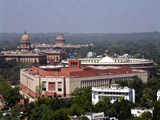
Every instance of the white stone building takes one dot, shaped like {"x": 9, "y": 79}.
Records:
{"x": 113, "y": 92}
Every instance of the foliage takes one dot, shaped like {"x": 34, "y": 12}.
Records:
{"x": 147, "y": 98}
{"x": 11, "y": 95}
{"x": 123, "y": 109}
{"x": 76, "y": 110}
{"x": 61, "y": 114}
{"x": 156, "y": 111}
{"x": 146, "y": 116}
{"x": 10, "y": 71}
{"x": 81, "y": 95}
{"x": 154, "y": 84}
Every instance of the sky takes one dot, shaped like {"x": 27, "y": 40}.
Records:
{"x": 80, "y": 16}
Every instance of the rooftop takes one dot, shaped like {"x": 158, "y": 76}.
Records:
{"x": 115, "y": 87}
{"x": 77, "y": 72}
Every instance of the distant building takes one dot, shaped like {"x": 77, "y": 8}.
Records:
{"x": 62, "y": 81}
{"x": 137, "y": 112}
{"x": 28, "y": 53}
{"x": 24, "y": 53}
{"x": 114, "y": 92}
{"x": 24, "y": 57}
{"x": 92, "y": 116}
{"x": 134, "y": 63}
{"x": 25, "y": 44}
{"x": 96, "y": 116}
{"x": 158, "y": 95}
{"x": 61, "y": 43}
{"x": 113, "y": 118}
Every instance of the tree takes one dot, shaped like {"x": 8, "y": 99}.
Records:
{"x": 100, "y": 106}
{"x": 76, "y": 110}
{"x": 146, "y": 116}
{"x": 12, "y": 96}
{"x": 41, "y": 112}
{"x": 81, "y": 95}
{"x": 61, "y": 114}
{"x": 147, "y": 98}
{"x": 123, "y": 109}
{"x": 154, "y": 84}
{"x": 156, "y": 111}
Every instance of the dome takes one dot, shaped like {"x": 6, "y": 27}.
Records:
{"x": 60, "y": 37}
{"x": 25, "y": 37}
{"x": 107, "y": 60}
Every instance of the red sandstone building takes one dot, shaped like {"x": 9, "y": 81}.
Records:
{"x": 53, "y": 81}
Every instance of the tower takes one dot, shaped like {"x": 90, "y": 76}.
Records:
{"x": 60, "y": 40}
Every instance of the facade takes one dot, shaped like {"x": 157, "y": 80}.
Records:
{"x": 54, "y": 56}
{"x": 114, "y": 92}
{"x": 137, "y": 112}
{"x": 27, "y": 53}
{"x": 158, "y": 95}
{"x": 62, "y": 81}
{"x": 92, "y": 116}
{"x": 24, "y": 57}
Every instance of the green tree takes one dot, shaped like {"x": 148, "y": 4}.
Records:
{"x": 12, "y": 96}
{"x": 154, "y": 84}
{"x": 76, "y": 110}
{"x": 100, "y": 106}
{"x": 41, "y": 112}
{"x": 123, "y": 109}
{"x": 147, "y": 98}
{"x": 81, "y": 95}
{"x": 156, "y": 111}
{"x": 146, "y": 116}
{"x": 61, "y": 114}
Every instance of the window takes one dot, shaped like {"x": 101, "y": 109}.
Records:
{"x": 59, "y": 82}
{"x": 44, "y": 85}
{"x": 51, "y": 86}
{"x": 74, "y": 64}
{"x": 59, "y": 89}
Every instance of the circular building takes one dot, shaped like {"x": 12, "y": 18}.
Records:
{"x": 135, "y": 63}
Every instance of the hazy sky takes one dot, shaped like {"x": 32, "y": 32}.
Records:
{"x": 91, "y": 16}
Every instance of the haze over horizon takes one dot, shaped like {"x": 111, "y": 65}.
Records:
{"x": 79, "y": 16}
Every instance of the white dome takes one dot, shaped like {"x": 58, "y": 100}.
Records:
{"x": 106, "y": 60}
